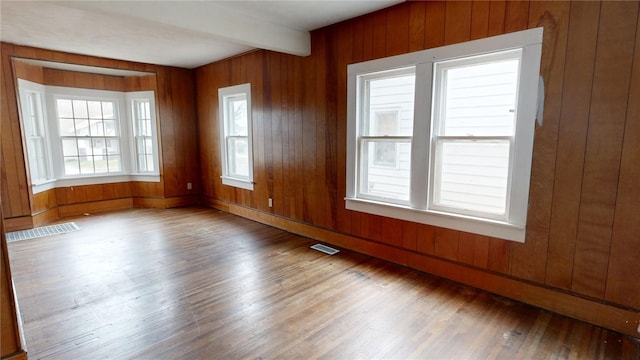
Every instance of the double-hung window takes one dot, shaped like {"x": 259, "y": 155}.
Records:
{"x": 144, "y": 133}
{"x": 235, "y": 136}
{"x": 444, "y": 136}
{"x": 83, "y": 136}
{"x": 35, "y": 132}
{"x": 90, "y": 134}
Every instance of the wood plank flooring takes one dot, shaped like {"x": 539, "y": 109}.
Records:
{"x": 196, "y": 283}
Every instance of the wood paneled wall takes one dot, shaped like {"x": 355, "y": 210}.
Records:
{"x": 177, "y": 126}
{"x": 584, "y": 213}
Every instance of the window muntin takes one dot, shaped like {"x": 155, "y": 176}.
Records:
{"x": 459, "y": 133}
{"x": 85, "y": 136}
{"x": 235, "y": 136}
{"x": 89, "y": 132}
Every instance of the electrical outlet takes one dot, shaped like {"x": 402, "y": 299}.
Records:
{"x": 189, "y": 186}
{"x": 270, "y": 202}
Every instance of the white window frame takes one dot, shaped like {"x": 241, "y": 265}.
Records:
{"x": 420, "y": 209}
{"x": 224, "y": 94}
{"x": 57, "y": 177}
{"x": 143, "y": 96}
{"x": 26, "y": 89}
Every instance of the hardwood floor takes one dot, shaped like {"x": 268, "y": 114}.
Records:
{"x": 196, "y": 283}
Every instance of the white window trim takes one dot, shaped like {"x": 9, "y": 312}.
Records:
{"x": 418, "y": 211}
{"x": 144, "y": 96}
{"x": 242, "y": 89}
{"x": 24, "y": 89}
{"x": 57, "y": 177}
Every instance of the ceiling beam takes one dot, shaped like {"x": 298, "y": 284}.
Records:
{"x": 207, "y": 18}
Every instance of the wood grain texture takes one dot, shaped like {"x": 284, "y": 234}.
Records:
{"x": 612, "y": 74}
{"x": 175, "y": 96}
{"x": 625, "y": 242}
{"x": 263, "y": 295}
{"x": 529, "y": 259}
{"x": 572, "y": 137}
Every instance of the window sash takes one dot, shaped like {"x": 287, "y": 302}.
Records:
{"x": 235, "y": 128}
{"x": 509, "y": 226}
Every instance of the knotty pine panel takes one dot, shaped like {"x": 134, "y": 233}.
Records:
{"x": 291, "y": 130}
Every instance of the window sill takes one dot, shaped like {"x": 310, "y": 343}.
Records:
{"x": 239, "y": 183}
{"x": 92, "y": 180}
{"x": 468, "y": 224}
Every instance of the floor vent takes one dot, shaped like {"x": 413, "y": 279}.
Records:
{"x": 41, "y": 232}
{"x": 325, "y": 249}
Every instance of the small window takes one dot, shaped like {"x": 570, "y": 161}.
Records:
{"x": 235, "y": 136}
{"x": 445, "y": 136}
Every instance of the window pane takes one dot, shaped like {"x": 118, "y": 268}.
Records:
{"x": 69, "y": 147}
{"x": 82, "y": 127}
{"x": 148, "y": 143}
{"x": 149, "y": 163}
{"x": 80, "y": 109}
{"x": 237, "y": 113}
{"x": 480, "y": 99}
{"x": 115, "y": 163}
{"x": 390, "y": 105}
{"x": 108, "y": 110}
{"x": 238, "y": 155}
{"x": 65, "y": 109}
{"x": 113, "y": 146}
{"x": 110, "y": 128}
{"x": 71, "y": 166}
{"x": 95, "y": 109}
{"x": 473, "y": 175}
{"x": 96, "y": 127}
{"x": 100, "y": 163}
{"x": 386, "y": 168}
{"x": 67, "y": 127}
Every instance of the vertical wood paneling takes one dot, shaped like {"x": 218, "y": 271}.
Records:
{"x": 496, "y": 18}
{"x": 16, "y": 194}
{"x": 176, "y": 116}
{"x": 612, "y": 73}
{"x": 397, "y": 30}
{"x": 339, "y": 125}
{"x": 316, "y": 110}
{"x": 416, "y": 25}
{"x": 624, "y": 267}
{"x": 434, "y": 24}
{"x": 528, "y": 259}
{"x": 446, "y": 243}
{"x": 572, "y": 135}
{"x": 479, "y": 19}
{"x": 457, "y": 22}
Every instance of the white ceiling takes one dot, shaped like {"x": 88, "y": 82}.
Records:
{"x": 177, "y": 33}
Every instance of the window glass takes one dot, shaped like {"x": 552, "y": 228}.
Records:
{"x": 235, "y": 136}
{"x": 444, "y": 136}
